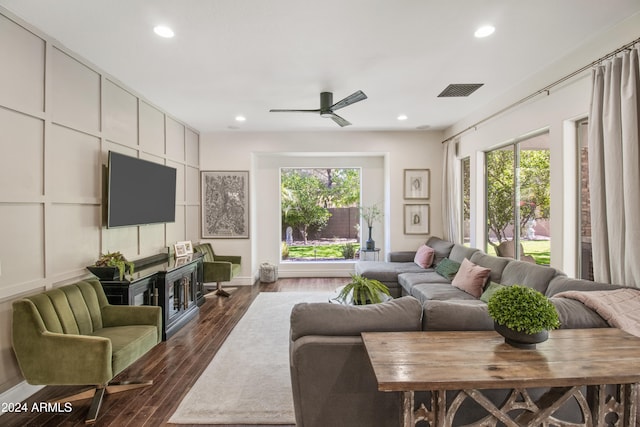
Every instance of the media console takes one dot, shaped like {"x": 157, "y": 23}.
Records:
{"x": 175, "y": 284}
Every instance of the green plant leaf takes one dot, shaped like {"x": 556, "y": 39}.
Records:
{"x": 523, "y": 309}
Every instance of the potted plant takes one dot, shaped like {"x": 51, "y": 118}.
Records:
{"x": 111, "y": 266}
{"x": 522, "y": 315}
{"x": 370, "y": 214}
{"x": 364, "y": 291}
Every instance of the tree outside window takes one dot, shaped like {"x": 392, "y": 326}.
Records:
{"x": 308, "y": 197}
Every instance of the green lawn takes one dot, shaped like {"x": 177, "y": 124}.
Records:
{"x": 540, "y": 250}
{"x": 332, "y": 251}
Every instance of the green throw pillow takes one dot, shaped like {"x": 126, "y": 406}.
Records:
{"x": 491, "y": 289}
{"x": 447, "y": 268}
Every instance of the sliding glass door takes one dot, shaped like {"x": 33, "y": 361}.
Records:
{"x": 518, "y": 200}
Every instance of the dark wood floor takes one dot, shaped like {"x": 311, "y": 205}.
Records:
{"x": 173, "y": 365}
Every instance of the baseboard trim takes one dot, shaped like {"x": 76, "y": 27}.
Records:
{"x": 19, "y": 392}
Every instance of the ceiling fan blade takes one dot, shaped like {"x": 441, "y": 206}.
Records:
{"x": 339, "y": 120}
{"x": 351, "y": 99}
{"x": 294, "y": 111}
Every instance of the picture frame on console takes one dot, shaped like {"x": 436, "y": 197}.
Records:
{"x": 417, "y": 184}
{"x": 225, "y": 204}
{"x": 180, "y": 249}
{"x": 416, "y": 219}
{"x": 188, "y": 246}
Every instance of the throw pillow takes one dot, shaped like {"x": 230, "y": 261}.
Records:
{"x": 447, "y": 268}
{"x": 471, "y": 278}
{"x": 424, "y": 256}
{"x": 491, "y": 289}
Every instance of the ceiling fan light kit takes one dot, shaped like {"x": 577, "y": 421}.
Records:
{"x": 327, "y": 107}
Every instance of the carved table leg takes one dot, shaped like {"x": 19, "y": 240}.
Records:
{"x": 407, "y": 409}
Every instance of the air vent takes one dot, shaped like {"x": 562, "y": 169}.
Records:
{"x": 464, "y": 89}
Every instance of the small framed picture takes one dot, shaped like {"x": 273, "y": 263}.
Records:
{"x": 416, "y": 183}
{"x": 416, "y": 219}
{"x": 181, "y": 249}
{"x": 187, "y": 246}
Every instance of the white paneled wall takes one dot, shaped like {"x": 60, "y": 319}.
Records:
{"x": 59, "y": 117}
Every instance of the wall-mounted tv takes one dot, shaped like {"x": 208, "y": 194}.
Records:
{"x": 139, "y": 192}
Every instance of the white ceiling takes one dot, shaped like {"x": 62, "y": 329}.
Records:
{"x": 244, "y": 57}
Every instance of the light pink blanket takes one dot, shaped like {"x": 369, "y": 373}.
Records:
{"x": 619, "y": 307}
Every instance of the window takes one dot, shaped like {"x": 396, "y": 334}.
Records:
{"x": 320, "y": 214}
{"x": 518, "y": 200}
{"x": 585, "y": 255}
{"x": 465, "y": 170}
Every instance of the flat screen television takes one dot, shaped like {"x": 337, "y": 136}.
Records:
{"x": 139, "y": 192}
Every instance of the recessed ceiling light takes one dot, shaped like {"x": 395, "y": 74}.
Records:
{"x": 163, "y": 31}
{"x": 484, "y": 31}
{"x": 402, "y": 117}
{"x": 240, "y": 118}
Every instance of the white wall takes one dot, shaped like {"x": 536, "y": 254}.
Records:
{"x": 59, "y": 117}
{"x": 382, "y": 155}
{"x": 557, "y": 112}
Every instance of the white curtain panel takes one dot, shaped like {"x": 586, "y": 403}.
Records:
{"x": 614, "y": 170}
{"x": 451, "y": 193}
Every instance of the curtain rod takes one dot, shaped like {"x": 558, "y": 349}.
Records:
{"x": 546, "y": 89}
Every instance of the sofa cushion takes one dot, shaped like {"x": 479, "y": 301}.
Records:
{"x": 575, "y": 315}
{"x": 128, "y": 343}
{"x": 528, "y": 274}
{"x": 561, "y": 283}
{"x": 491, "y": 289}
{"x": 409, "y": 280}
{"x": 402, "y": 256}
{"x": 495, "y": 264}
{"x": 471, "y": 278}
{"x": 468, "y": 315}
{"x": 438, "y": 291}
{"x": 442, "y": 248}
{"x": 401, "y": 314}
{"x": 385, "y": 271}
{"x": 424, "y": 256}
{"x": 447, "y": 268}
{"x": 460, "y": 252}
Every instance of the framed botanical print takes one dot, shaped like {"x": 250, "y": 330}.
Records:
{"x": 225, "y": 204}
{"x": 416, "y": 219}
{"x": 416, "y": 184}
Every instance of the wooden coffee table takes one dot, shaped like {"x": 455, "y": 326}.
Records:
{"x": 471, "y": 362}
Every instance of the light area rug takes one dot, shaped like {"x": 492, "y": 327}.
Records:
{"x": 248, "y": 380}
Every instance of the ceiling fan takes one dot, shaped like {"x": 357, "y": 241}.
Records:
{"x": 327, "y": 107}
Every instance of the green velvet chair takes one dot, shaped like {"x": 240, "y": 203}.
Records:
{"x": 72, "y": 336}
{"x": 218, "y": 268}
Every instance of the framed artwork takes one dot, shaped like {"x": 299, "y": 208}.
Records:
{"x": 416, "y": 183}
{"x": 416, "y": 219}
{"x": 188, "y": 246}
{"x": 225, "y": 204}
{"x": 180, "y": 249}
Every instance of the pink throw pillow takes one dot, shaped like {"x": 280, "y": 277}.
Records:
{"x": 471, "y": 278}
{"x": 424, "y": 256}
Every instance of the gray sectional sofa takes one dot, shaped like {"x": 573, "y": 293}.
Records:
{"x": 333, "y": 383}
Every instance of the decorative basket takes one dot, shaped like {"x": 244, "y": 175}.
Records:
{"x": 268, "y": 273}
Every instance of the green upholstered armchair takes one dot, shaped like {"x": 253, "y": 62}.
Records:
{"x": 218, "y": 268}
{"x": 72, "y": 336}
